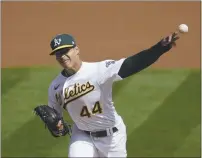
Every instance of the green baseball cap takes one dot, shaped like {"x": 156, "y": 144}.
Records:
{"x": 62, "y": 41}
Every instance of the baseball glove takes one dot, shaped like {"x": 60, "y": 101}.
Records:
{"x": 51, "y": 118}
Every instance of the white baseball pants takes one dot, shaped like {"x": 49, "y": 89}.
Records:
{"x": 83, "y": 145}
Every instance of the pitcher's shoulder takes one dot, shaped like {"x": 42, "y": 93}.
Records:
{"x": 97, "y": 63}
{"x": 58, "y": 80}
{"x": 90, "y": 65}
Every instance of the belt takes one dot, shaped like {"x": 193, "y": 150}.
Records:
{"x": 103, "y": 133}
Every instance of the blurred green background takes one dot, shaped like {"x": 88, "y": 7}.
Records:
{"x": 161, "y": 109}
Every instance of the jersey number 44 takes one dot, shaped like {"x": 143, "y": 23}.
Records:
{"x": 96, "y": 110}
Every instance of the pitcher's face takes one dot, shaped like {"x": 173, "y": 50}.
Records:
{"x": 68, "y": 57}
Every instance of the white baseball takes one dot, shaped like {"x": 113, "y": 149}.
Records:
{"x": 183, "y": 28}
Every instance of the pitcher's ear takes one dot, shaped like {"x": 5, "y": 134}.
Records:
{"x": 77, "y": 50}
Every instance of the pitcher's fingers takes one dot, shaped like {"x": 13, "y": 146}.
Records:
{"x": 174, "y": 34}
{"x": 175, "y": 39}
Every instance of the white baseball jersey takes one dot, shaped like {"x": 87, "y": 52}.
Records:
{"x": 87, "y": 95}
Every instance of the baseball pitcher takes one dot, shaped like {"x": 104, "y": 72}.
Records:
{"x": 84, "y": 89}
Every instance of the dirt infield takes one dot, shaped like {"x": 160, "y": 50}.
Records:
{"x": 102, "y": 30}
